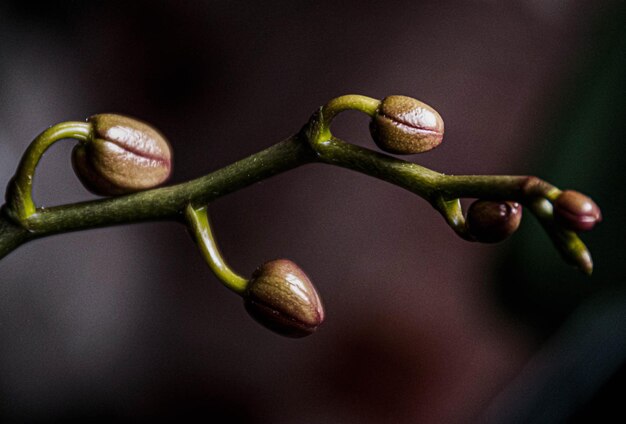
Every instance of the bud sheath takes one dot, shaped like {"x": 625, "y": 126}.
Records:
{"x": 403, "y": 125}
{"x": 281, "y": 297}
{"x": 124, "y": 155}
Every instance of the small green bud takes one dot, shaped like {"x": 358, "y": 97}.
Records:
{"x": 123, "y": 156}
{"x": 576, "y": 212}
{"x": 281, "y": 297}
{"x": 493, "y": 221}
{"x": 404, "y": 125}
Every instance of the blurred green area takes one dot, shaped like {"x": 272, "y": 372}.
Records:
{"x": 578, "y": 373}
{"x": 583, "y": 149}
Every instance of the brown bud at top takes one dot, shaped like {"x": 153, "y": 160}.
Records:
{"x": 282, "y": 298}
{"x": 404, "y": 125}
{"x": 124, "y": 155}
{"x": 493, "y": 221}
{"x": 575, "y": 211}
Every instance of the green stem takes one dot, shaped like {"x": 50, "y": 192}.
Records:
{"x": 11, "y": 235}
{"x": 200, "y": 227}
{"x": 415, "y": 178}
{"x": 452, "y": 212}
{"x": 330, "y": 110}
{"x": 571, "y": 248}
{"x": 313, "y": 144}
{"x": 21, "y": 199}
{"x": 520, "y": 188}
{"x": 156, "y": 204}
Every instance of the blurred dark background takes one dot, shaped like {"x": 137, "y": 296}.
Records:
{"x": 122, "y": 323}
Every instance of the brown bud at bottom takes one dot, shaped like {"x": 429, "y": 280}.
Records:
{"x": 493, "y": 221}
{"x": 404, "y": 125}
{"x": 281, "y": 297}
{"x": 124, "y": 155}
{"x": 576, "y": 212}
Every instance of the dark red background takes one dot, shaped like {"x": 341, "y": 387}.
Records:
{"x": 128, "y": 322}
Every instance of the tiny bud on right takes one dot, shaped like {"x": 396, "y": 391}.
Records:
{"x": 491, "y": 221}
{"x": 403, "y": 125}
{"x": 576, "y": 212}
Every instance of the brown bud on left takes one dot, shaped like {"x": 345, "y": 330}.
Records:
{"x": 576, "y": 212}
{"x": 281, "y": 297}
{"x": 403, "y": 125}
{"x": 124, "y": 155}
{"x": 491, "y": 221}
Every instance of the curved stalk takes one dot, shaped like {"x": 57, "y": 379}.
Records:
{"x": 21, "y": 200}
{"x": 199, "y": 225}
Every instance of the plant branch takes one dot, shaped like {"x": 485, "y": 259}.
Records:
{"x": 156, "y": 204}
{"x": 313, "y": 144}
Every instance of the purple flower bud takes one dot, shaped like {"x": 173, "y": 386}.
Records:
{"x": 403, "y": 125}
{"x": 124, "y": 155}
{"x": 281, "y": 297}
{"x": 576, "y": 212}
{"x": 493, "y": 221}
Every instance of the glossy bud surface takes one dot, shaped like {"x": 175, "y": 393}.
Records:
{"x": 493, "y": 221}
{"x": 281, "y": 297}
{"x": 403, "y": 125}
{"x": 576, "y": 212}
{"x": 124, "y": 155}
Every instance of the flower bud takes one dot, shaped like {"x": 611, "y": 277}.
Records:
{"x": 124, "y": 155}
{"x": 404, "y": 125}
{"x": 282, "y": 298}
{"x": 575, "y": 211}
{"x": 493, "y": 221}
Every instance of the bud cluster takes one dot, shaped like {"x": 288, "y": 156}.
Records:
{"x": 120, "y": 155}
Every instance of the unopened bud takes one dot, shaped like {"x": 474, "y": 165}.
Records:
{"x": 403, "y": 125}
{"x": 124, "y": 156}
{"x": 576, "y": 212}
{"x": 281, "y": 297}
{"x": 493, "y": 221}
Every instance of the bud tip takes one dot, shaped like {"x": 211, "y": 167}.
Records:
{"x": 576, "y": 211}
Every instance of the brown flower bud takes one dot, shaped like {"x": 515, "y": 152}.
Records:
{"x": 282, "y": 298}
{"x": 404, "y": 125}
{"x": 124, "y": 155}
{"x": 576, "y": 212}
{"x": 493, "y": 221}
